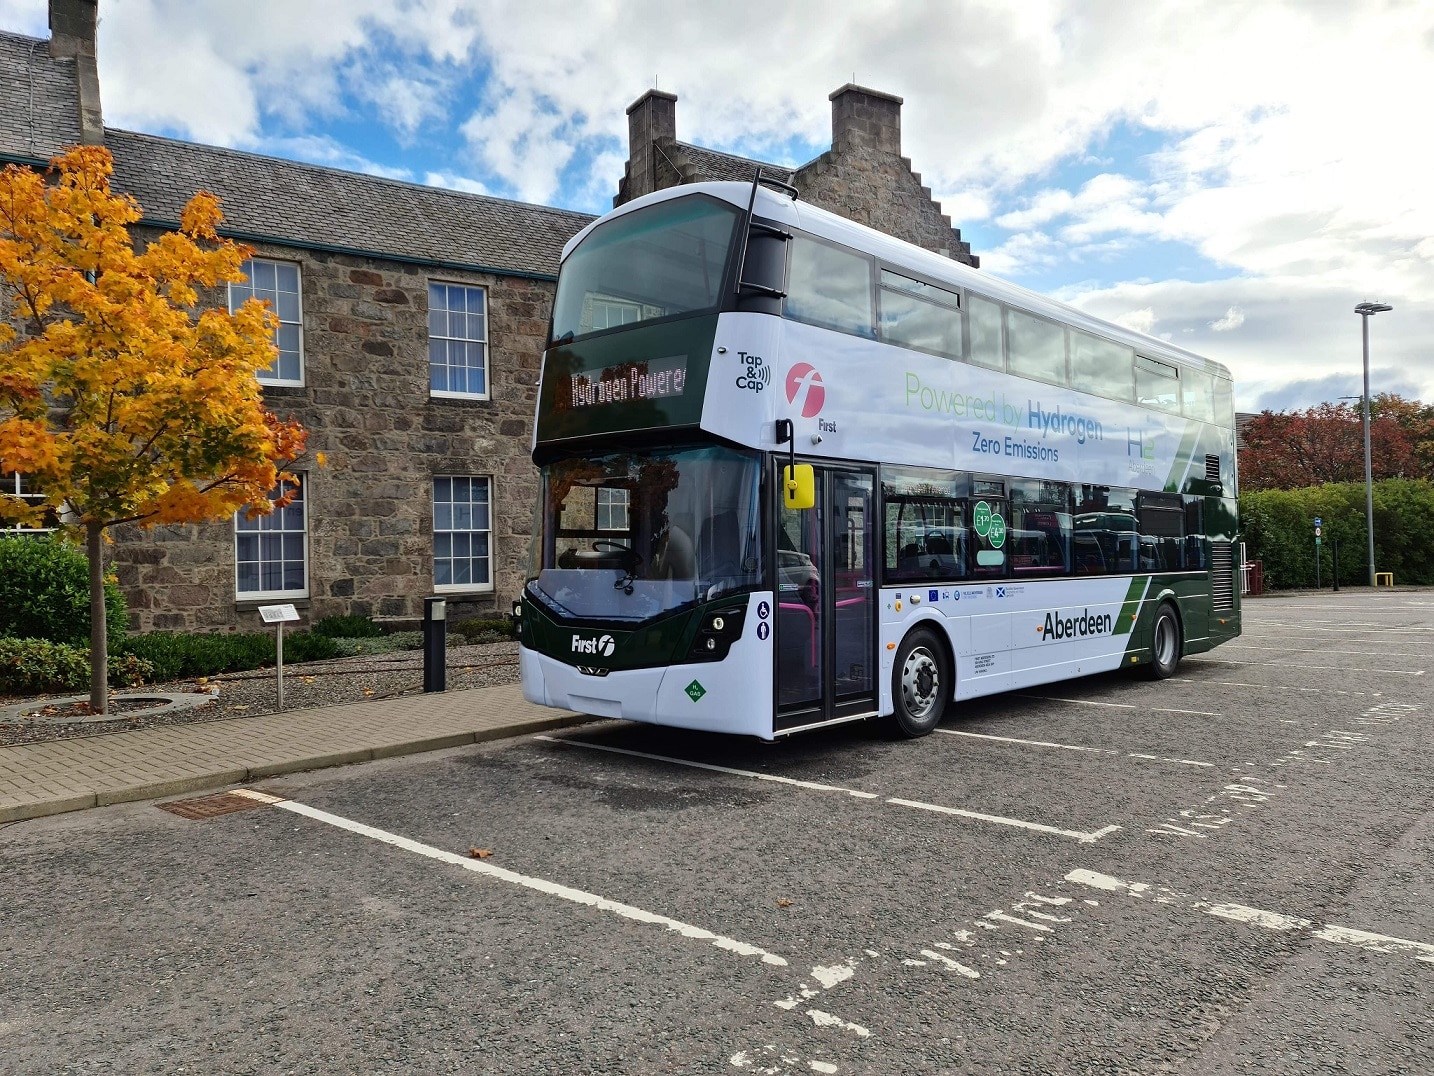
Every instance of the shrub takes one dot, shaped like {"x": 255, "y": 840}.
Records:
{"x": 30, "y": 666}
{"x": 308, "y": 646}
{"x": 481, "y": 630}
{"x": 182, "y": 657}
{"x": 349, "y": 626}
{"x": 385, "y": 644}
{"x": 45, "y": 592}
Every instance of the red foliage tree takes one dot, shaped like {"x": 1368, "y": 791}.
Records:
{"x": 1325, "y": 443}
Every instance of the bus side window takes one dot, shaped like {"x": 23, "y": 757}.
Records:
{"x": 830, "y": 287}
{"x": 1162, "y": 532}
{"x": 1040, "y": 535}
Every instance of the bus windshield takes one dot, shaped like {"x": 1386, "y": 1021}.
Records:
{"x": 632, "y": 535}
{"x": 668, "y": 259}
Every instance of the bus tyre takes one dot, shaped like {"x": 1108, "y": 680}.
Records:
{"x": 1165, "y": 643}
{"x": 921, "y": 683}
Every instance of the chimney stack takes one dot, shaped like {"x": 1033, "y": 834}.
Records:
{"x": 866, "y": 117}
{"x": 72, "y": 33}
{"x": 650, "y": 117}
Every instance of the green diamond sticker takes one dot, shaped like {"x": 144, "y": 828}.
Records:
{"x": 695, "y": 690}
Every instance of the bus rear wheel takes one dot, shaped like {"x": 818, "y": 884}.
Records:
{"x": 920, "y": 684}
{"x": 1166, "y": 643}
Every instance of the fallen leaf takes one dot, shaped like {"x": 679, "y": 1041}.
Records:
{"x": 783, "y": 902}
{"x": 480, "y": 853}
{"x": 368, "y": 691}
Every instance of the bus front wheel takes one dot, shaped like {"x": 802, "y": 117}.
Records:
{"x": 1166, "y": 643}
{"x": 920, "y": 684}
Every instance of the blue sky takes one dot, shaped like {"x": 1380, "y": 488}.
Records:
{"x": 1234, "y": 178}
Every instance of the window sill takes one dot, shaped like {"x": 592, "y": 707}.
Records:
{"x": 479, "y": 397}
{"x": 247, "y": 603}
{"x": 284, "y": 388}
{"x": 456, "y": 590}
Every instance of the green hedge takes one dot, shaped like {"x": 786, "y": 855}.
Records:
{"x": 348, "y": 626}
{"x": 33, "y": 666}
{"x": 1278, "y": 530}
{"x": 481, "y": 630}
{"x": 181, "y": 657}
{"x": 45, "y": 592}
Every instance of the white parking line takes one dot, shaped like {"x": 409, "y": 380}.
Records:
{"x": 1323, "y": 650}
{"x": 552, "y": 889}
{"x": 1325, "y": 668}
{"x": 1084, "y": 838}
{"x": 812, "y": 785}
{"x": 1241, "y": 913}
{"x": 1072, "y": 747}
{"x": 1270, "y": 687}
{"x": 1121, "y": 706}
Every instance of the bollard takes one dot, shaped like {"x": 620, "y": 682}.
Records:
{"x": 435, "y": 644}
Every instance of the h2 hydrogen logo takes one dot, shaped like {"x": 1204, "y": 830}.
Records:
{"x": 804, "y": 381}
{"x": 603, "y": 644}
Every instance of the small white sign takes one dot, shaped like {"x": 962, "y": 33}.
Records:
{"x": 278, "y": 614}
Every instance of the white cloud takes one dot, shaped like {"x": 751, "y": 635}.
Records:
{"x": 1233, "y": 319}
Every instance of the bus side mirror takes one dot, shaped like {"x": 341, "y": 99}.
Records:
{"x": 799, "y": 486}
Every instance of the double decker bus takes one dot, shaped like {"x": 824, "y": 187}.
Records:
{"x": 796, "y": 472}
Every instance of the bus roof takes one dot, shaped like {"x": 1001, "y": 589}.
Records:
{"x": 782, "y": 208}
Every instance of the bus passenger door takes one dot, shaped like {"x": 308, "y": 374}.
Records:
{"x": 826, "y": 603}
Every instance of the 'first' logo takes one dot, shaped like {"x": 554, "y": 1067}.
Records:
{"x": 805, "y": 389}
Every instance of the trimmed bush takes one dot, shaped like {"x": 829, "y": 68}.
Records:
{"x": 384, "y": 644}
{"x": 349, "y": 626}
{"x": 1277, "y": 527}
{"x": 308, "y": 646}
{"x": 33, "y": 666}
{"x": 45, "y": 592}
{"x": 182, "y": 657}
{"x": 480, "y": 630}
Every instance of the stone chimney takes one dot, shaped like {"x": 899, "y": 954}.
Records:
{"x": 866, "y": 117}
{"x": 650, "y": 117}
{"x": 72, "y": 34}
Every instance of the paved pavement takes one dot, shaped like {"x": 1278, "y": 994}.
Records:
{"x": 73, "y": 774}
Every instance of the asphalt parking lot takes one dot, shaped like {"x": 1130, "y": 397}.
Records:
{"x": 1224, "y": 872}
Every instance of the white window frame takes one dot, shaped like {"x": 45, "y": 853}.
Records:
{"x": 13, "y": 485}
{"x": 471, "y": 587}
{"x": 452, "y": 394}
{"x": 302, "y": 500}
{"x": 247, "y": 290}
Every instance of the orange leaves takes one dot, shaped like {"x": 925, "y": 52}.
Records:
{"x": 125, "y": 398}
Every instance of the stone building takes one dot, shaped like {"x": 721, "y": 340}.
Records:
{"x": 413, "y": 321}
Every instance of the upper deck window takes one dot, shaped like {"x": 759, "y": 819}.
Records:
{"x": 830, "y": 287}
{"x": 658, "y": 262}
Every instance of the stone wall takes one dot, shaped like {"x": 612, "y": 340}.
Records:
{"x": 367, "y": 406}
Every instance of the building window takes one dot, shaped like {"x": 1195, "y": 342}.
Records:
{"x": 271, "y": 552}
{"x": 276, "y": 283}
{"x": 612, "y": 506}
{"x": 15, "y": 485}
{"x": 457, "y": 341}
{"x": 462, "y": 532}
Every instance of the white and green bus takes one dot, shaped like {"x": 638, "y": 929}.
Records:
{"x": 1004, "y": 491}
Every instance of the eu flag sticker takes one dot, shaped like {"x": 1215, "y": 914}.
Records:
{"x": 935, "y": 595}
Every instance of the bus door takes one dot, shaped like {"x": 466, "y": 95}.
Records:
{"x": 826, "y": 603}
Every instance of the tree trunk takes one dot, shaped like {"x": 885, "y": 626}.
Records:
{"x": 99, "y": 644}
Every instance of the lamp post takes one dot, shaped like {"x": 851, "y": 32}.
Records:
{"x": 1364, "y": 310}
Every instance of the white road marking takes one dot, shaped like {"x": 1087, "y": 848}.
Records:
{"x": 1072, "y": 747}
{"x": 1322, "y": 650}
{"x": 1326, "y": 668}
{"x": 1084, "y": 838}
{"x": 812, "y": 785}
{"x": 826, "y": 1019}
{"x": 1269, "y": 687}
{"x": 1242, "y": 913}
{"x": 1120, "y": 705}
{"x": 955, "y": 965}
{"x": 552, "y": 889}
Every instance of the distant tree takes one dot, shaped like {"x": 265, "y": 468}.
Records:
{"x": 1296, "y": 449}
{"x": 1416, "y": 420}
{"x": 121, "y": 399}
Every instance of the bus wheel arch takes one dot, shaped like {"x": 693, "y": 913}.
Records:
{"x": 1167, "y": 641}
{"x": 923, "y": 681}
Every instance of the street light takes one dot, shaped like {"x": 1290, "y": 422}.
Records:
{"x": 1364, "y": 310}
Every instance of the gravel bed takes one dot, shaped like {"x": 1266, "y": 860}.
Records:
{"x": 311, "y": 684}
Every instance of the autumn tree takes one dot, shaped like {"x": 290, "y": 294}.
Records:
{"x": 122, "y": 398}
{"x": 1325, "y": 443}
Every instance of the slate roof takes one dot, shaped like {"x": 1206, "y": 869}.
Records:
{"x": 305, "y": 205}
{"x": 39, "y": 99}
{"x": 713, "y": 165}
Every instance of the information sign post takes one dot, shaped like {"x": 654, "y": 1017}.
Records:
{"x": 1319, "y": 538}
{"x": 280, "y": 615}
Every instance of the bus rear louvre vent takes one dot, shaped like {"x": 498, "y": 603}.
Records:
{"x": 1212, "y": 468}
{"x": 1222, "y": 576}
